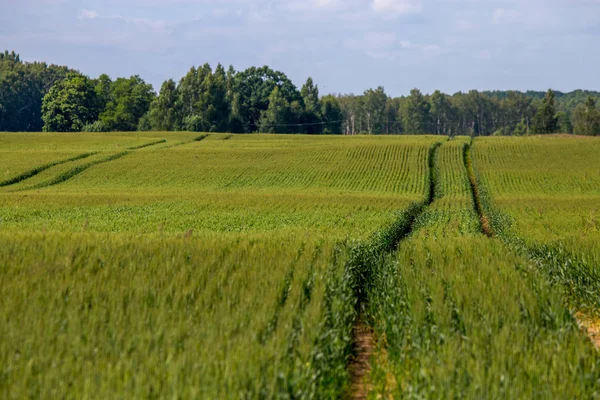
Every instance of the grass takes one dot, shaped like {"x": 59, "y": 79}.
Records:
{"x": 465, "y": 318}
{"x": 94, "y": 315}
{"x": 461, "y": 315}
{"x": 547, "y": 194}
{"x": 212, "y": 269}
{"x": 39, "y": 169}
{"x": 452, "y": 208}
{"x": 236, "y": 266}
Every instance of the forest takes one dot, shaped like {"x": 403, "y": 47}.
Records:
{"x": 35, "y": 96}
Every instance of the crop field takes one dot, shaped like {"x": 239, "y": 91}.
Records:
{"x": 179, "y": 265}
{"x": 549, "y": 186}
{"x": 547, "y": 191}
{"x": 467, "y": 317}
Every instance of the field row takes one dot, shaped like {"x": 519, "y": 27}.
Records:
{"x": 466, "y": 317}
{"x": 238, "y": 266}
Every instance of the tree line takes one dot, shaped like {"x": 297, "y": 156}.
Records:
{"x": 37, "y": 96}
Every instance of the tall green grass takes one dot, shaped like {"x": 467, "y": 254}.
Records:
{"x": 550, "y": 226}
{"x": 461, "y": 315}
{"x": 212, "y": 269}
{"x": 237, "y": 266}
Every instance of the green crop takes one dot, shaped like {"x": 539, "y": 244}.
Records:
{"x": 547, "y": 192}
{"x": 461, "y": 315}
{"x": 180, "y": 265}
{"x": 212, "y": 269}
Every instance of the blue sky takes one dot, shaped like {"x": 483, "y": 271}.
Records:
{"x": 347, "y": 46}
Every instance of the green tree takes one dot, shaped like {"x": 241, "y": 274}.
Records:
{"x": 163, "y": 114}
{"x": 213, "y": 104}
{"x": 586, "y": 118}
{"x": 275, "y": 117}
{"x": 188, "y": 93}
{"x": 311, "y": 115}
{"x": 515, "y": 108}
{"x": 236, "y": 123}
{"x": 205, "y": 99}
{"x": 12, "y": 56}
{"x": 254, "y": 87}
{"x": 354, "y": 114}
{"x": 440, "y": 113}
{"x": 102, "y": 88}
{"x": 332, "y": 115}
{"x": 564, "y": 122}
{"x": 22, "y": 88}
{"x": 415, "y": 113}
{"x": 70, "y": 105}
{"x": 545, "y": 119}
{"x": 375, "y": 101}
{"x": 393, "y": 122}
{"x": 129, "y": 101}
{"x": 521, "y": 129}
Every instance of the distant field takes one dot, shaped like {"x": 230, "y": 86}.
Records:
{"x": 180, "y": 265}
{"x": 549, "y": 186}
{"x": 246, "y": 183}
{"x": 244, "y": 230}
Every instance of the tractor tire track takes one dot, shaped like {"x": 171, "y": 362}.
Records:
{"x": 37, "y": 170}
{"x": 76, "y": 171}
{"x": 365, "y": 258}
{"x": 475, "y": 192}
{"x": 578, "y": 281}
{"x": 81, "y": 168}
{"x": 148, "y": 144}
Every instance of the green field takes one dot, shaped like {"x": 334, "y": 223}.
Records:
{"x": 547, "y": 192}
{"x": 179, "y": 265}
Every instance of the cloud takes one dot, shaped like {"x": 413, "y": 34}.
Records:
{"x": 440, "y": 44}
{"x": 397, "y": 7}
{"x": 316, "y": 5}
{"x": 87, "y": 14}
{"x": 431, "y": 48}
{"x": 385, "y": 45}
{"x": 140, "y": 24}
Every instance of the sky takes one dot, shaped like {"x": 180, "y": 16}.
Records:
{"x": 346, "y": 46}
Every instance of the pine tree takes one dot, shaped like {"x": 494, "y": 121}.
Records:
{"x": 312, "y": 112}
{"x": 546, "y": 120}
{"x": 521, "y": 128}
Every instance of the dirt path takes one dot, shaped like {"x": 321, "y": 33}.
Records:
{"x": 485, "y": 223}
{"x": 363, "y": 338}
{"x": 360, "y": 365}
{"x": 591, "y": 327}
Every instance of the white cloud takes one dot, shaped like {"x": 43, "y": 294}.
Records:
{"x": 397, "y": 7}
{"x": 88, "y": 14}
{"x": 407, "y": 45}
{"x": 313, "y": 5}
{"x": 385, "y": 45}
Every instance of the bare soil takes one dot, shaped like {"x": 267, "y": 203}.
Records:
{"x": 591, "y": 326}
{"x": 360, "y": 364}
